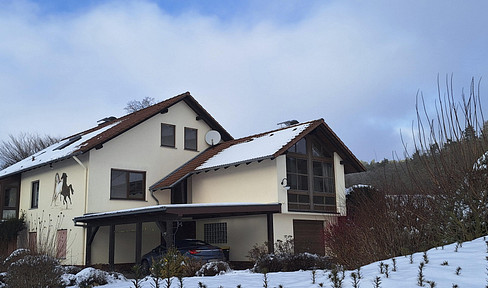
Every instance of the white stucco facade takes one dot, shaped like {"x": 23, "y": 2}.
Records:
{"x": 139, "y": 149}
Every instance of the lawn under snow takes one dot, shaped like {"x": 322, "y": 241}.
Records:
{"x": 470, "y": 257}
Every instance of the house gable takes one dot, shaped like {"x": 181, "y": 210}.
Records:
{"x": 268, "y": 145}
{"x": 96, "y": 137}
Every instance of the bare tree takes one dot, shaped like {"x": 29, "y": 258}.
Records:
{"x": 19, "y": 147}
{"x": 438, "y": 195}
{"x": 136, "y": 105}
{"x": 451, "y": 148}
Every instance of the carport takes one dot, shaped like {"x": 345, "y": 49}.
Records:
{"x": 164, "y": 216}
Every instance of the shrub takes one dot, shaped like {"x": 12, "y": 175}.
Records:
{"x": 10, "y": 228}
{"x": 191, "y": 266}
{"x": 288, "y": 262}
{"x": 90, "y": 277}
{"x": 284, "y": 258}
{"x": 259, "y": 251}
{"x": 35, "y": 271}
{"x": 213, "y": 268}
{"x": 14, "y": 256}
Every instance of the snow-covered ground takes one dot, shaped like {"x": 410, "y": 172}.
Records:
{"x": 441, "y": 269}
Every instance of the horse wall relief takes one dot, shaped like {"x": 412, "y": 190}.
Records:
{"x": 62, "y": 190}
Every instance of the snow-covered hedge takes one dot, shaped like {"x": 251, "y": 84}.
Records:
{"x": 290, "y": 262}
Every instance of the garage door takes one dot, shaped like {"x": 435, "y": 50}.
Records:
{"x": 308, "y": 236}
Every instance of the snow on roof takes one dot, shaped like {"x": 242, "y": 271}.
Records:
{"x": 55, "y": 152}
{"x": 257, "y": 147}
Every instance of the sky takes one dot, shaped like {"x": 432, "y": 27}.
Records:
{"x": 64, "y": 64}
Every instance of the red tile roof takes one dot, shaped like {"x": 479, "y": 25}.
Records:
{"x": 133, "y": 119}
{"x": 76, "y": 144}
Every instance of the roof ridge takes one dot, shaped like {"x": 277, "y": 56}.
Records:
{"x": 276, "y": 130}
{"x": 129, "y": 115}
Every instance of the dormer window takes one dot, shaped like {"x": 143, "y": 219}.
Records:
{"x": 167, "y": 135}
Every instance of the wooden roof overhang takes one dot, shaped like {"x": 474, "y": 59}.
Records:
{"x": 176, "y": 212}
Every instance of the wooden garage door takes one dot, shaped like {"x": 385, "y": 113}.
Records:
{"x": 308, "y": 236}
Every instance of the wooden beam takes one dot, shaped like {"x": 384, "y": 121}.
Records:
{"x": 111, "y": 248}
{"x": 90, "y": 235}
{"x": 168, "y": 237}
{"x": 138, "y": 242}
{"x": 269, "y": 220}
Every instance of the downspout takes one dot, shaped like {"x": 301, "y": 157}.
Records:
{"x": 154, "y": 197}
{"x": 86, "y": 205}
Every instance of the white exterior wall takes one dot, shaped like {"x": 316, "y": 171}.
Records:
{"x": 256, "y": 183}
{"x": 139, "y": 149}
{"x": 242, "y": 234}
{"x": 340, "y": 185}
{"x": 253, "y": 183}
{"x": 52, "y": 216}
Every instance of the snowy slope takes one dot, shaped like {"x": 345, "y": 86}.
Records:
{"x": 470, "y": 257}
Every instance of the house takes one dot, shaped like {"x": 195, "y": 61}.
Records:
{"x": 114, "y": 192}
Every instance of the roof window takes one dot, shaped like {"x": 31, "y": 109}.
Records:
{"x": 69, "y": 142}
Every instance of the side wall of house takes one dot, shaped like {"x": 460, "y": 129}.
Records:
{"x": 257, "y": 183}
{"x": 139, "y": 149}
{"x": 56, "y": 208}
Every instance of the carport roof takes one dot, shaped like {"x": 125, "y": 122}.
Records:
{"x": 175, "y": 212}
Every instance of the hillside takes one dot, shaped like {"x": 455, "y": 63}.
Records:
{"x": 443, "y": 262}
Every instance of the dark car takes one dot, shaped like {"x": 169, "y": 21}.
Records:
{"x": 193, "y": 248}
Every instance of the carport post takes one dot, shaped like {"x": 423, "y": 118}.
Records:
{"x": 138, "y": 241}
{"x": 111, "y": 248}
{"x": 88, "y": 245}
{"x": 269, "y": 218}
{"x": 169, "y": 234}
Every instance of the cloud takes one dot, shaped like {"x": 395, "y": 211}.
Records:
{"x": 357, "y": 65}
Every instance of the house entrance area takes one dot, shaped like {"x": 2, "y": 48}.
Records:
{"x": 173, "y": 222}
{"x": 309, "y": 236}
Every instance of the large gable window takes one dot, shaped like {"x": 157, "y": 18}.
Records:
{"x": 167, "y": 135}
{"x": 310, "y": 175}
{"x": 127, "y": 184}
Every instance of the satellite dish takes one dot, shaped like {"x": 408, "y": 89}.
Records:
{"x": 212, "y": 137}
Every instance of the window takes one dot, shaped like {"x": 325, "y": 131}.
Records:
{"x": 300, "y": 147}
{"x": 215, "y": 233}
{"x": 190, "y": 139}
{"x": 127, "y": 185}
{"x": 35, "y": 194}
{"x": 61, "y": 240}
{"x": 168, "y": 135}
{"x": 310, "y": 175}
{"x": 9, "y": 197}
{"x": 10, "y": 203}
